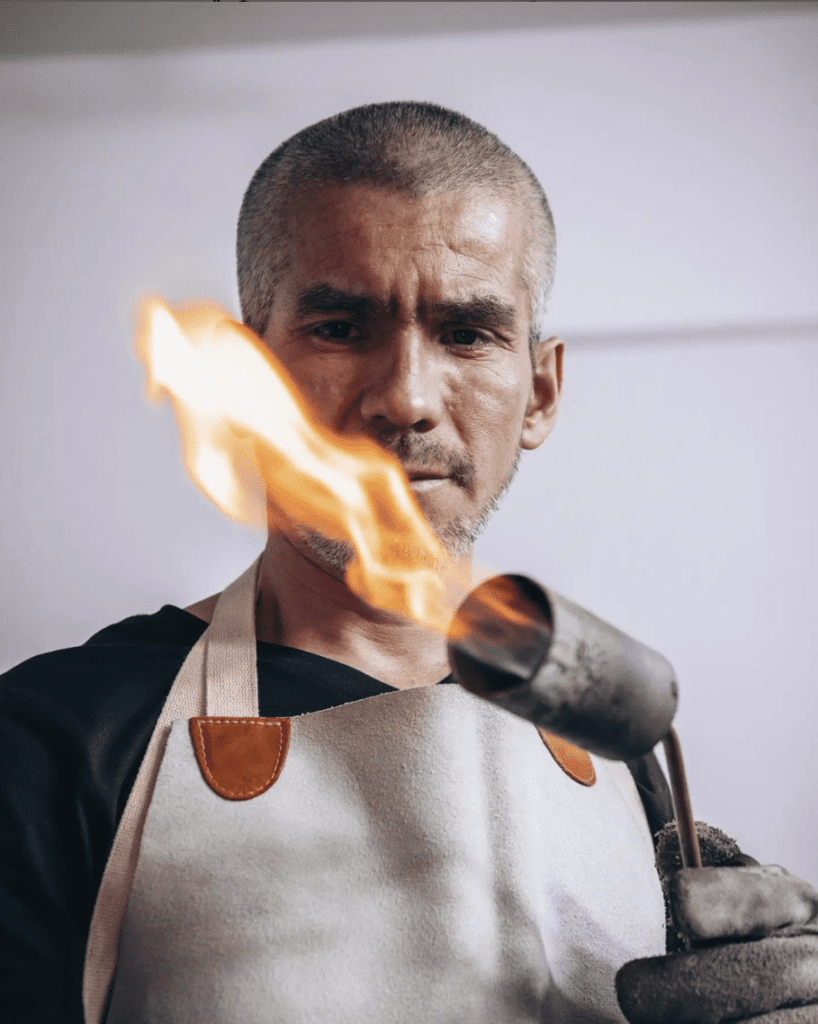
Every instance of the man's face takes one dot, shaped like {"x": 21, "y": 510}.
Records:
{"x": 407, "y": 321}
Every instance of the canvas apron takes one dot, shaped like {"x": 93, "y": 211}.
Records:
{"x": 413, "y": 856}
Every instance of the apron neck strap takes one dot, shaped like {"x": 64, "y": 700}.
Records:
{"x": 230, "y": 672}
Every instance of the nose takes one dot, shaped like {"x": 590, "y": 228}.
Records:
{"x": 403, "y": 392}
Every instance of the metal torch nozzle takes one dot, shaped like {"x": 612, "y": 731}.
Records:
{"x": 540, "y": 656}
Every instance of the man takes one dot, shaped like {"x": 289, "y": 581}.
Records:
{"x": 414, "y": 855}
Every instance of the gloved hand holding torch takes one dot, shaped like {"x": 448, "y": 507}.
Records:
{"x": 754, "y": 955}
{"x": 752, "y": 930}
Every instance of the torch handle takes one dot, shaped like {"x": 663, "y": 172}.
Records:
{"x": 685, "y": 823}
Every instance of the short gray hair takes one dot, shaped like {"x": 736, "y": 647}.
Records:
{"x": 415, "y": 148}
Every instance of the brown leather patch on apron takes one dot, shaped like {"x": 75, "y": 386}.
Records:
{"x": 574, "y": 761}
{"x": 240, "y": 757}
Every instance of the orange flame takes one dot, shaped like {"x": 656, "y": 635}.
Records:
{"x": 241, "y": 417}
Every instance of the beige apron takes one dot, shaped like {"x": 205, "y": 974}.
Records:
{"x": 413, "y": 856}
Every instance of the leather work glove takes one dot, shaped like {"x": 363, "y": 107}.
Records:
{"x": 754, "y": 955}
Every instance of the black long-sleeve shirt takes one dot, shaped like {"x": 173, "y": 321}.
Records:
{"x": 74, "y": 727}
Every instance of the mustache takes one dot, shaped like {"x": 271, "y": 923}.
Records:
{"x": 415, "y": 450}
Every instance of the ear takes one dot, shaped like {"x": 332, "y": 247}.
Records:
{"x": 546, "y": 391}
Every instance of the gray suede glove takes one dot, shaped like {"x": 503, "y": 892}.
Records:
{"x": 754, "y": 932}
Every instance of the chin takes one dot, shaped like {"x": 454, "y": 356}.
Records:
{"x": 334, "y": 556}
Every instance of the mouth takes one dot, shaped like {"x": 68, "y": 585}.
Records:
{"x": 427, "y": 483}
{"x": 422, "y": 481}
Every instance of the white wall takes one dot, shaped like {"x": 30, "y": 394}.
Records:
{"x": 677, "y": 497}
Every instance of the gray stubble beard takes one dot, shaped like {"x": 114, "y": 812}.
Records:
{"x": 457, "y": 537}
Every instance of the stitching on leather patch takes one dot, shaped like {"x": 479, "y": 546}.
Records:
{"x": 573, "y": 760}
{"x": 240, "y": 758}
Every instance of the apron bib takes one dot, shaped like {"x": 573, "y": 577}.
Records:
{"x": 417, "y": 855}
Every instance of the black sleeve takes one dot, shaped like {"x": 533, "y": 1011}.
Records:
{"x": 45, "y": 889}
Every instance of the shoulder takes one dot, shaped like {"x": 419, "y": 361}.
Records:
{"x": 137, "y": 655}
{"x": 204, "y": 609}
{"x": 74, "y": 724}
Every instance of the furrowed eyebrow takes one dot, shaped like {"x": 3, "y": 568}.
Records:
{"x": 486, "y": 310}
{"x": 325, "y": 299}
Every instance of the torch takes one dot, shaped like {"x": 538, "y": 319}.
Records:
{"x": 542, "y": 657}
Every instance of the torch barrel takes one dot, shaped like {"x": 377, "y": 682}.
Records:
{"x": 542, "y": 657}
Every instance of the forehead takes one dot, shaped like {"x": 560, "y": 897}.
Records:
{"x": 393, "y": 246}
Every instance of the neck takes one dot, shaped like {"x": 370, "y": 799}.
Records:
{"x": 303, "y": 605}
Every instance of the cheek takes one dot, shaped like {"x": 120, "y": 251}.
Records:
{"x": 324, "y": 386}
{"x": 316, "y": 382}
{"x": 491, "y": 417}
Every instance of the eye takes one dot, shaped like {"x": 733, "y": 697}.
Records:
{"x": 336, "y": 330}
{"x": 467, "y": 337}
